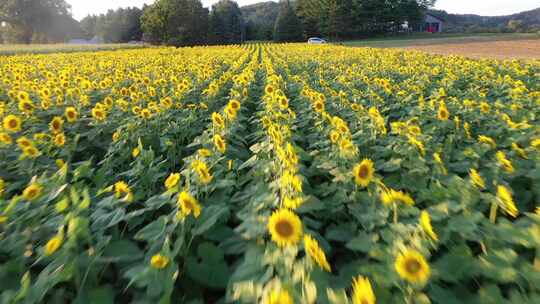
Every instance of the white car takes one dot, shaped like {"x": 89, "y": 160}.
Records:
{"x": 316, "y": 40}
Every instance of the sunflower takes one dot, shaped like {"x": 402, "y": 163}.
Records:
{"x": 56, "y": 125}
{"x": 23, "y": 142}
{"x": 285, "y": 227}
{"x": 220, "y": 143}
{"x": 334, "y": 136}
{"x": 172, "y": 180}
{"x": 71, "y": 114}
{"x": 487, "y": 140}
{"x": 98, "y": 114}
{"x": 122, "y": 188}
{"x": 32, "y": 192}
{"x": 318, "y": 106}
{"x": 26, "y": 106}
{"x": 362, "y": 291}
{"x": 204, "y": 152}
{"x": 505, "y": 162}
{"x": 283, "y": 102}
{"x": 484, "y": 107}
{"x": 279, "y": 297}
{"x": 188, "y": 204}
{"x": 116, "y": 136}
{"x": 234, "y": 104}
{"x": 23, "y": 96}
{"x": 159, "y": 261}
{"x": 425, "y": 223}
{"x": 292, "y": 203}
{"x": 218, "y": 120}
{"x": 519, "y": 151}
{"x": 412, "y": 267}
{"x": 202, "y": 171}
{"x": 2, "y": 187}
{"x": 5, "y": 138}
{"x": 363, "y": 173}
{"x": 443, "y": 114}
{"x": 505, "y": 197}
{"x": 146, "y": 114}
{"x": 12, "y": 123}
{"x": 269, "y": 89}
{"x": 393, "y": 197}
{"x": 476, "y": 179}
{"x": 59, "y": 140}
{"x": 231, "y": 113}
{"x": 53, "y": 244}
{"x": 315, "y": 252}
{"x": 135, "y": 152}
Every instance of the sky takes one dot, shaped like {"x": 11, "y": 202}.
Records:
{"x": 81, "y": 8}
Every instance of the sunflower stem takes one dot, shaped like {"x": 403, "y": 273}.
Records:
{"x": 395, "y": 213}
{"x": 493, "y": 212}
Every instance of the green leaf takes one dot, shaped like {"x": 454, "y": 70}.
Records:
{"x": 209, "y": 217}
{"x": 211, "y": 271}
{"x": 152, "y": 231}
{"x": 102, "y": 295}
{"x": 362, "y": 242}
{"x": 122, "y": 250}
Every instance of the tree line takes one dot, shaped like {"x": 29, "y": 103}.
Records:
{"x": 188, "y": 22}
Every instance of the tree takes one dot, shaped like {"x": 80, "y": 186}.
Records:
{"x": 515, "y": 25}
{"x": 29, "y": 17}
{"x": 226, "y": 23}
{"x": 260, "y": 19}
{"x": 175, "y": 22}
{"x": 288, "y": 27}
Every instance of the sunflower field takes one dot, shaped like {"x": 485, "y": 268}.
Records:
{"x": 270, "y": 174}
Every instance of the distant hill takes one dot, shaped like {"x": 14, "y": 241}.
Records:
{"x": 529, "y": 21}
{"x": 260, "y": 19}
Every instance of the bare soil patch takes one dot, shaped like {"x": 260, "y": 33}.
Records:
{"x": 512, "y": 49}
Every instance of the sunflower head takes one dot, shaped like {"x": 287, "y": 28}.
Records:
{"x": 425, "y": 224}
{"x": 53, "y": 245}
{"x": 412, "y": 267}
{"x": 188, "y": 205}
{"x": 391, "y": 196}
{"x": 443, "y": 114}
{"x": 12, "y": 123}
{"x": 172, "y": 180}
{"x": 315, "y": 252}
{"x": 56, "y": 125}
{"x": 32, "y": 192}
{"x": 279, "y": 297}
{"x": 71, "y": 114}
{"x": 363, "y": 173}
{"x": 476, "y": 179}
{"x": 59, "y": 140}
{"x": 362, "y": 291}
{"x": 159, "y": 261}
{"x": 285, "y": 227}
{"x": 219, "y": 143}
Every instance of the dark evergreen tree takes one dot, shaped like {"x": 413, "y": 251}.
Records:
{"x": 288, "y": 27}
{"x": 226, "y": 23}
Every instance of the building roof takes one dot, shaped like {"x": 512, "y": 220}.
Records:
{"x": 436, "y": 17}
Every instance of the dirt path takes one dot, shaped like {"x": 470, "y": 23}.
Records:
{"x": 519, "y": 49}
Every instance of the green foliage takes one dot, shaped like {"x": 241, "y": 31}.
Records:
{"x": 226, "y": 23}
{"x": 175, "y": 22}
{"x": 288, "y": 27}
{"x": 260, "y": 20}
{"x": 528, "y": 21}
{"x": 116, "y": 26}
{"x": 38, "y": 20}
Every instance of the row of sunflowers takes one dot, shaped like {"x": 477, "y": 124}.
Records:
{"x": 268, "y": 173}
